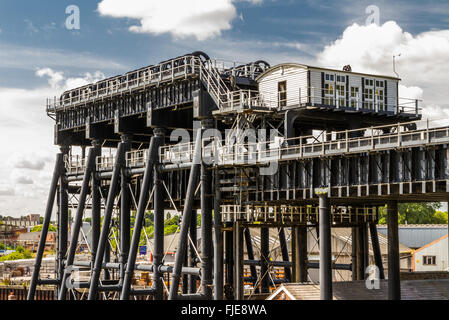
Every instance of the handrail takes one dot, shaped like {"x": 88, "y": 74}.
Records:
{"x": 373, "y": 138}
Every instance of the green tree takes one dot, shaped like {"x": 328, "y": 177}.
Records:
{"x": 38, "y": 228}
{"x": 417, "y": 213}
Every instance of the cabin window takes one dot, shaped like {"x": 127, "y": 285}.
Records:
{"x": 282, "y": 93}
{"x": 341, "y": 95}
{"x": 328, "y": 90}
{"x": 355, "y": 97}
{"x": 368, "y": 94}
{"x": 429, "y": 260}
{"x": 380, "y": 98}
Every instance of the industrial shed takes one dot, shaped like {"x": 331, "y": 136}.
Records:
{"x": 432, "y": 257}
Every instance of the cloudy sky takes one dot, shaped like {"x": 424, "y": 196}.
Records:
{"x": 40, "y": 56}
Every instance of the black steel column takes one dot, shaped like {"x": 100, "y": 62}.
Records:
{"x": 250, "y": 253}
{"x": 229, "y": 262}
{"x": 77, "y": 223}
{"x": 156, "y": 141}
{"x": 360, "y": 252}
{"x": 158, "y": 252}
{"x": 394, "y": 272}
{"x": 301, "y": 253}
{"x": 325, "y": 247}
{"x": 354, "y": 253}
{"x": 376, "y": 249}
{"x": 125, "y": 211}
{"x": 186, "y": 217}
{"x": 285, "y": 257}
{"x": 264, "y": 259}
{"x": 102, "y": 244}
{"x": 47, "y": 217}
{"x": 193, "y": 259}
{"x": 96, "y": 205}
{"x": 218, "y": 242}
{"x": 238, "y": 261}
{"x": 63, "y": 218}
{"x": 206, "y": 232}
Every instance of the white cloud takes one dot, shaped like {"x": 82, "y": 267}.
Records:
{"x": 422, "y": 65}
{"x": 26, "y": 136}
{"x": 57, "y": 80}
{"x": 202, "y": 19}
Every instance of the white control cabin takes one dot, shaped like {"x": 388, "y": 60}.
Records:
{"x": 292, "y": 84}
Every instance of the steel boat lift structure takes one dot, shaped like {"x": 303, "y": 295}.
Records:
{"x": 359, "y": 160}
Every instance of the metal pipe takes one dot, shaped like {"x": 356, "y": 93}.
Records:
{"x": 394, "y": 281}
{"x": 76, "y": 226}
{"x": 50, "y": 202}
{"x": 95, "y": 276}
{"x": 186, "y": 218}
{"x": 140, "y": 215}
{"x": 218, "y": 243}
{"x": 376, "y": 250}
{"x": 325, "y": 247}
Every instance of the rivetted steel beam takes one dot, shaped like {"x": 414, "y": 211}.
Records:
{"x": 376, "y": 250}
{"x": 218, "y": 243}
{"x": 186, "y": 217}
{"x": 158, "y": 252}
{"x": 394, "y": 281}
{"x": 50, "y": 202}
{"x": 156, "y": 142}
{"x": 95, "y": 276}
{"x": 325, "y": 246}
{"x": 76, "y": 226}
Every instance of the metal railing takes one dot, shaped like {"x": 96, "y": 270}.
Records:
{"x": 74, "y": 164}
{"x": 137, "y": 159}
{"x": 298, "y": 214}
{"x": 315, "y": 96}
{"x": 167, "y": 71}
{"x": 345, "y": 142}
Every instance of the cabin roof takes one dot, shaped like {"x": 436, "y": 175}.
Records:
{"x": 299, "y": 65}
